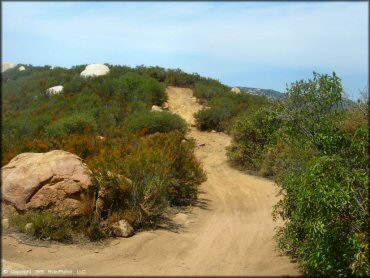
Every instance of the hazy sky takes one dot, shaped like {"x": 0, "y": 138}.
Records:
{"x": 264, "y": 45}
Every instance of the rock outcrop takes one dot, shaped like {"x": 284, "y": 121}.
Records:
{"x": 7, "y": 65}
{"x": 95, "y": 70}
{"x": 56, "y": 179}
{"x": 55, "y": 90}
{"x": 235, "y": 90}
{"x": 21, "y": 68}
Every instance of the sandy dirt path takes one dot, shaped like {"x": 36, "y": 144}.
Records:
{"x": 230, "y": 231}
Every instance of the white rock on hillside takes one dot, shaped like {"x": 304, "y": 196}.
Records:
{"x": 22, "y": 68}
{"x": 235, "y": 90}
{"x": 156, "y": 108}
{"x": 95, "y": 70}
{"x": 55, "y": 90}
{"x": 7, "y": 65}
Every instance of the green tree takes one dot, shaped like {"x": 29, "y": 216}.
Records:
{"x": 309, "y": 110}
{"x": 324, "y": 207}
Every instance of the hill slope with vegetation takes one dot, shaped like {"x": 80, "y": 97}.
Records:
{"x": 107, "y": 121}
{"x": 315, "y": 148}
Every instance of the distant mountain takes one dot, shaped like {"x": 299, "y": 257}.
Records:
{"x": 262, "y": 92}
{"x": 272, "y": 94}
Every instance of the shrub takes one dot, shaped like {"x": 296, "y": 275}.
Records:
{"x": 49, "y": 225}
{"x": 134, "y": 87}
{"x": 209, "y": 118}
{"x": 284, "y": 155}
{"x": 176, "y": 77}
{"x": 79, "y": 123}
{"x": 324, "y": 204}
{"x": 309, "y": 111}
{"x": 224, "y": 108}
{"x": 109, "y": 178}
{"x": 186, "y": 172}
{"x": 251, "y": 134}
{"x": 326, "y": 219}
{"x": 206, "y": 90}
{"x": 148, "y": 169}
{"x": 151, "y": 122}
{"x": 141, "y": 178}
{"x": 46, "y": 225}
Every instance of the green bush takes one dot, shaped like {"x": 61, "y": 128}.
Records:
{"x": 326, "y": 218}
{"x": 46, "y": 225}
{"x": 251, "y": 134}
{"x": 224, "y": 108}
{"x": 74, "y": 124}
{"x": 49, "y": 225}
{"x": 324, "y": 204}
{"x": 151, "y": 122}
{"x": 206, "y": 90}
{"x": 209, "y": 118}
{"x": 134, "y": 87}
{"x": 283, "y": 154}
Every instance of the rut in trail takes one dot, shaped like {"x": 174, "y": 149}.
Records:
{"x": 230, "y": 232}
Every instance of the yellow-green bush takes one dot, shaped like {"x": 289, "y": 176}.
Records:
{"x": 186, "y": 172}
{"x": 141, "y": 177}
{"x": 46, "y": 225}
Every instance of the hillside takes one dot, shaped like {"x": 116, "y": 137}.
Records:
{"x": 180, "y": 161}
{"x": 228, "y": 231}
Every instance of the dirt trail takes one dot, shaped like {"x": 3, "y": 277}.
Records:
{"x": 229, "y": 233}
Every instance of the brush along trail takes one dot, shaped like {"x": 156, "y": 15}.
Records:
{"x": 229, "y": 232}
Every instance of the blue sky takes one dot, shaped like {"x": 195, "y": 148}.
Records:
{"x": 264, "y": 45}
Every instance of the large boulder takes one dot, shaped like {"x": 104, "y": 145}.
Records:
{"x": 7, "y": 65}
{"x": 95, "y": 70}
{"x": 21, "y": 68}
{"x": 56, "y": 179}
{"x": 54, "y": 90}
